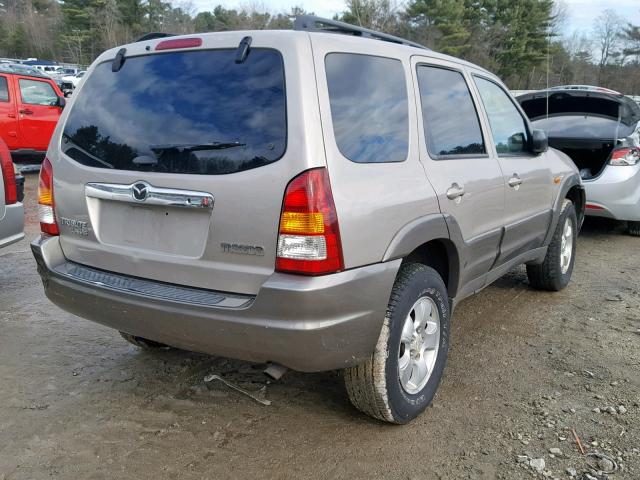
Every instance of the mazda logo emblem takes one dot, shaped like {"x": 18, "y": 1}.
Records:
{"x": 140, "y": 191}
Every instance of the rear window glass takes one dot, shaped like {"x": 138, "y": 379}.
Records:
{"x": 369, "y": 107}
{"x": 578, "y": 126}
{"x": 443, "y": 91}
{"x": 581, "y": 104}
{"x": 195, "y": 112}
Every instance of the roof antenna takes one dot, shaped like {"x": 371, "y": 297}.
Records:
{"x": 119, "y": 60}
{"x": 548, "y": 66}
{"x": 243, "y": 50}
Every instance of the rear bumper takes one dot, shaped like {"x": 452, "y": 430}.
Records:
{"x": 615, "y": 193}
{"x": 12, "y": 224}
{"x": 304, "y": 323}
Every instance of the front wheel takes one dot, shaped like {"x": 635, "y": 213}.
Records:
{"x": 554, "y": 273}
{"x": 401, "y": 377}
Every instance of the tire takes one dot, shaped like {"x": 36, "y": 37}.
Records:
{"x": 633, "y": 228}
{"x": 375, "y": 387}
{"x": 144, "y": 343}
{"x": 554, "y": 273}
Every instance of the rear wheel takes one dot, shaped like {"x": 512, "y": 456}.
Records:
{"x": 555, "y": 272}
{"x": 400, "y": 379}
{"x": 143, "y": 342}
{"x": 633, "y": 228}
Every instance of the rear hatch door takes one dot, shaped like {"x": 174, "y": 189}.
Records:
{"x": 173, "y": 166}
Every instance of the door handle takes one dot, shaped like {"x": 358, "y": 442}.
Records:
{"x": 11, "y": 115}
{"x": 515, "y": 181}
{"x": 455, "y": 191}
{"x": 26, "y": 111}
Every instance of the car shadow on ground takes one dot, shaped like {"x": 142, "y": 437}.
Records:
{"x": 595, "y": 227}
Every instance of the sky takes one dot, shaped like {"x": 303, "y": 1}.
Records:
{"x": 581, "y": 12}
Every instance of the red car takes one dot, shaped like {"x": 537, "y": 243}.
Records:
{"x": 30, "y": 106}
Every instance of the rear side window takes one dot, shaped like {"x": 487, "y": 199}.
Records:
{"x": 507, "y": 125}
{"x": 192, "y": 112}
{"x": 34, "y": 92}
{"x": 369, "y": 107}
{"x": 451, "y": 125}
{"x": 4, "y": 90}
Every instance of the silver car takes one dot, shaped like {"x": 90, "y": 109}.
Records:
{"x": 11, "y": 193}
{"x": 307, "y": 198}
{"x": 600, "y": 130}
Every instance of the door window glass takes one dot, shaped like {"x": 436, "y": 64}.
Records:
{"x": 35, "y": 92}
{"x": 507, "y": 125}
{"x": 451, "y": 125}
{"x": 4, "y": 90}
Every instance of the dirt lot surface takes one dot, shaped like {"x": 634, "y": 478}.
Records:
{"x": 525, "y": 369}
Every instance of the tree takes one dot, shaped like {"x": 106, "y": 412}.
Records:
{"x": 374, "y": 14}
{"x": 607, "y": 29}
{"x": 631, "y": 36}
{"x": 445, "y": 24}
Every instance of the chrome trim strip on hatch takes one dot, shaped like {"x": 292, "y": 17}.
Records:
{"x": 143, "y": 192}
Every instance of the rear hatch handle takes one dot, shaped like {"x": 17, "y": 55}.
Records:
{"x": 145, "y": 193}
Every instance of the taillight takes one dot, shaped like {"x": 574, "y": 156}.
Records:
{"x": 8, "y": 175}
{"x": 309, "y": 237}
{"x": 46, "y": 203}
{"x": 625, "y": 156}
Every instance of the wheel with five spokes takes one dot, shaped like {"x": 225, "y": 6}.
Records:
{"x": 401, "y": 377}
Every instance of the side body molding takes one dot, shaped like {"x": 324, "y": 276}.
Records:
{"x": 424, "y": 229}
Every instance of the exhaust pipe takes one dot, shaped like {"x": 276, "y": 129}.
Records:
{"x": 275, "y": 371}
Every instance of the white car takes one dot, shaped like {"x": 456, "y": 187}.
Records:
{"x": 600, "y": 130}
{"x": 73, "y": 79}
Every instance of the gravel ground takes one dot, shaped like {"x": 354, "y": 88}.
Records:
{"x": 526, "y": 369}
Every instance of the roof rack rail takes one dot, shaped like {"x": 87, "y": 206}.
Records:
{"x": 312, "y": 23}
{"x": 154, "y": 35}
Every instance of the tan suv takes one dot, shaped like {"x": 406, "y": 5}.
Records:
{"x": 309, "y": 198}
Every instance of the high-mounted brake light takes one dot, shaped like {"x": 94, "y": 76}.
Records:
{"x": 8, "y": 175}
{"x": 179, "y": 43}
{"x": 309, "y": 237}
{"x": 625, "y": 156}
{"x": 46, "y": 204}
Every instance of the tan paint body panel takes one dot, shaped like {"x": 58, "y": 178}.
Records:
{"x": 246, "y": 208}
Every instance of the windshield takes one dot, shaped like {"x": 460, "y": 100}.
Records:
{"x": 142, "y": 117}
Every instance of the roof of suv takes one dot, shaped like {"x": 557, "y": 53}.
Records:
{"x": 346, "y": 39}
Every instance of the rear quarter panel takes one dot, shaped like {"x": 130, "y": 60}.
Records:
{"x": 373, "y": 200}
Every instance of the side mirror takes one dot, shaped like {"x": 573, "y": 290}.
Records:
{"x": 539, "y": 142}
{"x": 61, "y": 102}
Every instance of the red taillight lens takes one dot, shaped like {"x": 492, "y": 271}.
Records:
{"x": 8, "y": 175}
{"x": 46, "y": 204}
{"x": 179, "y": 43}
{"x": 625, "y": 156}
{"x": 309, "y": 237}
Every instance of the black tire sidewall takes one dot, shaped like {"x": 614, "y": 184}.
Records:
{"x": 562, "y": 279}
{"x": 404, "y": 406}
